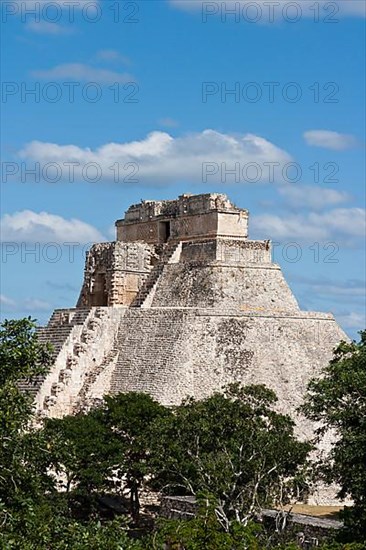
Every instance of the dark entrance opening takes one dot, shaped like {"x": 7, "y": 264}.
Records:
{"x": 164, "y": 231}
{"x": 99, "y": 295}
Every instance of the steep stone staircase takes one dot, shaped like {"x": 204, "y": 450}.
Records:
{"x": 55, "y": 333}
{"x": 152, "y": 334}
{"x": 154, "y": 274}
{"x": 82, "y": 402}
{"x": 91, "y": 324}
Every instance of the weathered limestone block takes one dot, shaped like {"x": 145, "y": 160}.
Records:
{"x": 65, "y": 375}
{"x": 80, "y": 347}
{"x": 56, "y": 388}
{"x": 114, "y": 272}
{"x": 182, "y": 304}
{"x": 252, "y": 287}
{"x": 85, "y": 364}
{"x": 70, "y": 362}
{"x": 49, "y": 401}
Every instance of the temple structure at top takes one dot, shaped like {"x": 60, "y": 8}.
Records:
{"x": 190, "y": 217}
{"x": 153, "y": 235}
{"x": 181, "y": 304}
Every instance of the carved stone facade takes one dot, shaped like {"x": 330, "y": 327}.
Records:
{"x": 187, "y": 218}
{"x": 114, "y": 273}
{"x": 183, "y": 310}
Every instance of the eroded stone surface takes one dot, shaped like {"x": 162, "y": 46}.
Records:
{"x": 182, "y": 306}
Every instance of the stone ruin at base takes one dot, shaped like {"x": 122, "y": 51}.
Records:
{"x": 181, "y": 304}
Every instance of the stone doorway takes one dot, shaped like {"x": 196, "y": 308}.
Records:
{"x": 164, "y": 231}
{"x": 99, "y": 295}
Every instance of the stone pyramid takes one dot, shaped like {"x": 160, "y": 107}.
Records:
{"x": 181, "y": 304}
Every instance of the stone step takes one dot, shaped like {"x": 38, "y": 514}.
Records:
{"x": 55, "y": 333}
{"x": 154, "y": 275}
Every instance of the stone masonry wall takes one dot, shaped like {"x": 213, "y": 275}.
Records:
{"x": 251, "y": 288}
{"x": 174, "y": 353}
{"x": 78, "y": 376}
{"x": 184, "y": 318}
{"x": 114, "y": 273}
{"x": 188, "y": 217}
{"x": 228, "y": 251}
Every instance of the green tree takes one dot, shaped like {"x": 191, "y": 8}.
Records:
{"x": 55, "y": 532}
{"x": 22, "y": 451}
{"x": 105, "y": 449}
{"x": 233, "y": 446}
{"x": 205, "y": 533}
{"x": 338, "y": 402}
{"x": 83, "y": 454}
{"x": 130, "y": 417}
{"x": 34, "y": 515}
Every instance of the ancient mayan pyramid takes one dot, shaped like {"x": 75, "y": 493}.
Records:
{"x": 181, "y": 304}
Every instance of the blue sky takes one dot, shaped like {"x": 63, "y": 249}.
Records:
{"x": 155, "y": 98}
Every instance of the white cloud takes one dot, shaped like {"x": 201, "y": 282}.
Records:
{"x": 28, "y": 226}
{"x": 78, "y": 4}
{"x": 112, "y": 55}
{"x": 340, "y": 291}
{"x": 351, "y": 289}
{"x": 74, "y": 4}
{"x": 311, "y": 196}
{"x": 26, "y": 305}
{"x": 83, "y": 72}
{"x": 168, "y": 122}
{"x": 164, "y": 159}
{"x": 343, "y": 225}
{"x": 329, "y": 140}
{"x": 34, "y": 304}
{"x": 45, "y": 27}
{"x": 348, "y": 221}
{"x": 352, "y": 320}
{"x": 111, "y": 232}
{"x": 6, "y": 302}
{"x": 40, "y": 16}
{"x": 346, "y": 8}
{"x": 353, "y": 7}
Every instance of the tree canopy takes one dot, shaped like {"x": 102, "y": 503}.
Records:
{"x": 22, "y": 476}
{"x": 232, "y": 450}
{"x": 338, "y": 401}
{"x": 232, "y": 445}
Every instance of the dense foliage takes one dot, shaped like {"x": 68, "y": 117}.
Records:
{"x": 228, "y": 445}
{"x": 338, "y": 402}
{"x": 22, "y": 451}
{"x": 205, "y": 533}
{"x": 76, "y": 482}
